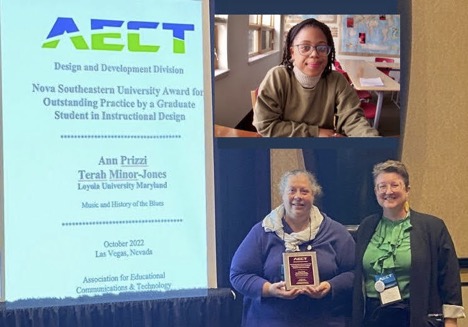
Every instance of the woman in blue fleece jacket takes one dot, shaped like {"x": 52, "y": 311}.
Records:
{"x": 296, "y": 225}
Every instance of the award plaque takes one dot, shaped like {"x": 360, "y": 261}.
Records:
{"x": 300, "y": 269}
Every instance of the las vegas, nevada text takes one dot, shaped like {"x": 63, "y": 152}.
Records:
{"x": 123, "y": 248}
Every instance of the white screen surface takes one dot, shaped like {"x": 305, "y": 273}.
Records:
{"x": 104, "y": 153}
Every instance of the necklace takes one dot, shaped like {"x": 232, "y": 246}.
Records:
{"x": 309, "y": 247}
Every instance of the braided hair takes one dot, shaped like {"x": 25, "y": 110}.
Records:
{"x": 311, "y": 22}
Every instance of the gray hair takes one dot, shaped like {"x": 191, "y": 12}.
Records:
{"x": 314, "y": 186}
{"x": 391, "y": 166}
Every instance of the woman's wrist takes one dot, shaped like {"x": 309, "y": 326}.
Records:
{"x": 266, "y": 289}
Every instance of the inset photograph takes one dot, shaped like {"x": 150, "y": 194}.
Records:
{"x": 307, "y": 75}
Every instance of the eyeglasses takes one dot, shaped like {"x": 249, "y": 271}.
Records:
{"x": 394, "y": 187}
{"x": 307, "y": 49}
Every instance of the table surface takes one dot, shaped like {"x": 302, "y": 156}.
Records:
{"x": 223, "y": 131}
{"x": 390, "y": 65}
{"x": 357, "y": 69}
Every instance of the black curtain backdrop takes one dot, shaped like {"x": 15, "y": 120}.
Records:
{"x": 216, "y": 308}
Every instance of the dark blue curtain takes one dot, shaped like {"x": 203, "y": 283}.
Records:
{"x": 345, "y": 175}
{"x": 242, "y": 198}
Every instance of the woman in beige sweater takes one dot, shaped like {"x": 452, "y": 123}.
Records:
{"x": 303, "y": 96}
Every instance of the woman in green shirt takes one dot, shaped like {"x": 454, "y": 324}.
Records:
{"x": 407, "y": 271}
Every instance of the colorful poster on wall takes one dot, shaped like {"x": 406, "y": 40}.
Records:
{"x": 370, "y": 35}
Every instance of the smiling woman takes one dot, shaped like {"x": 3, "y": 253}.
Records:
{"x": 298, "y": 193}
{"x": 299, "y": 228}
{"x": 406, "y": 261}
{"x": 303, "y": 96}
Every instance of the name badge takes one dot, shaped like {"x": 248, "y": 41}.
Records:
{"x": 387, "y": 287}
